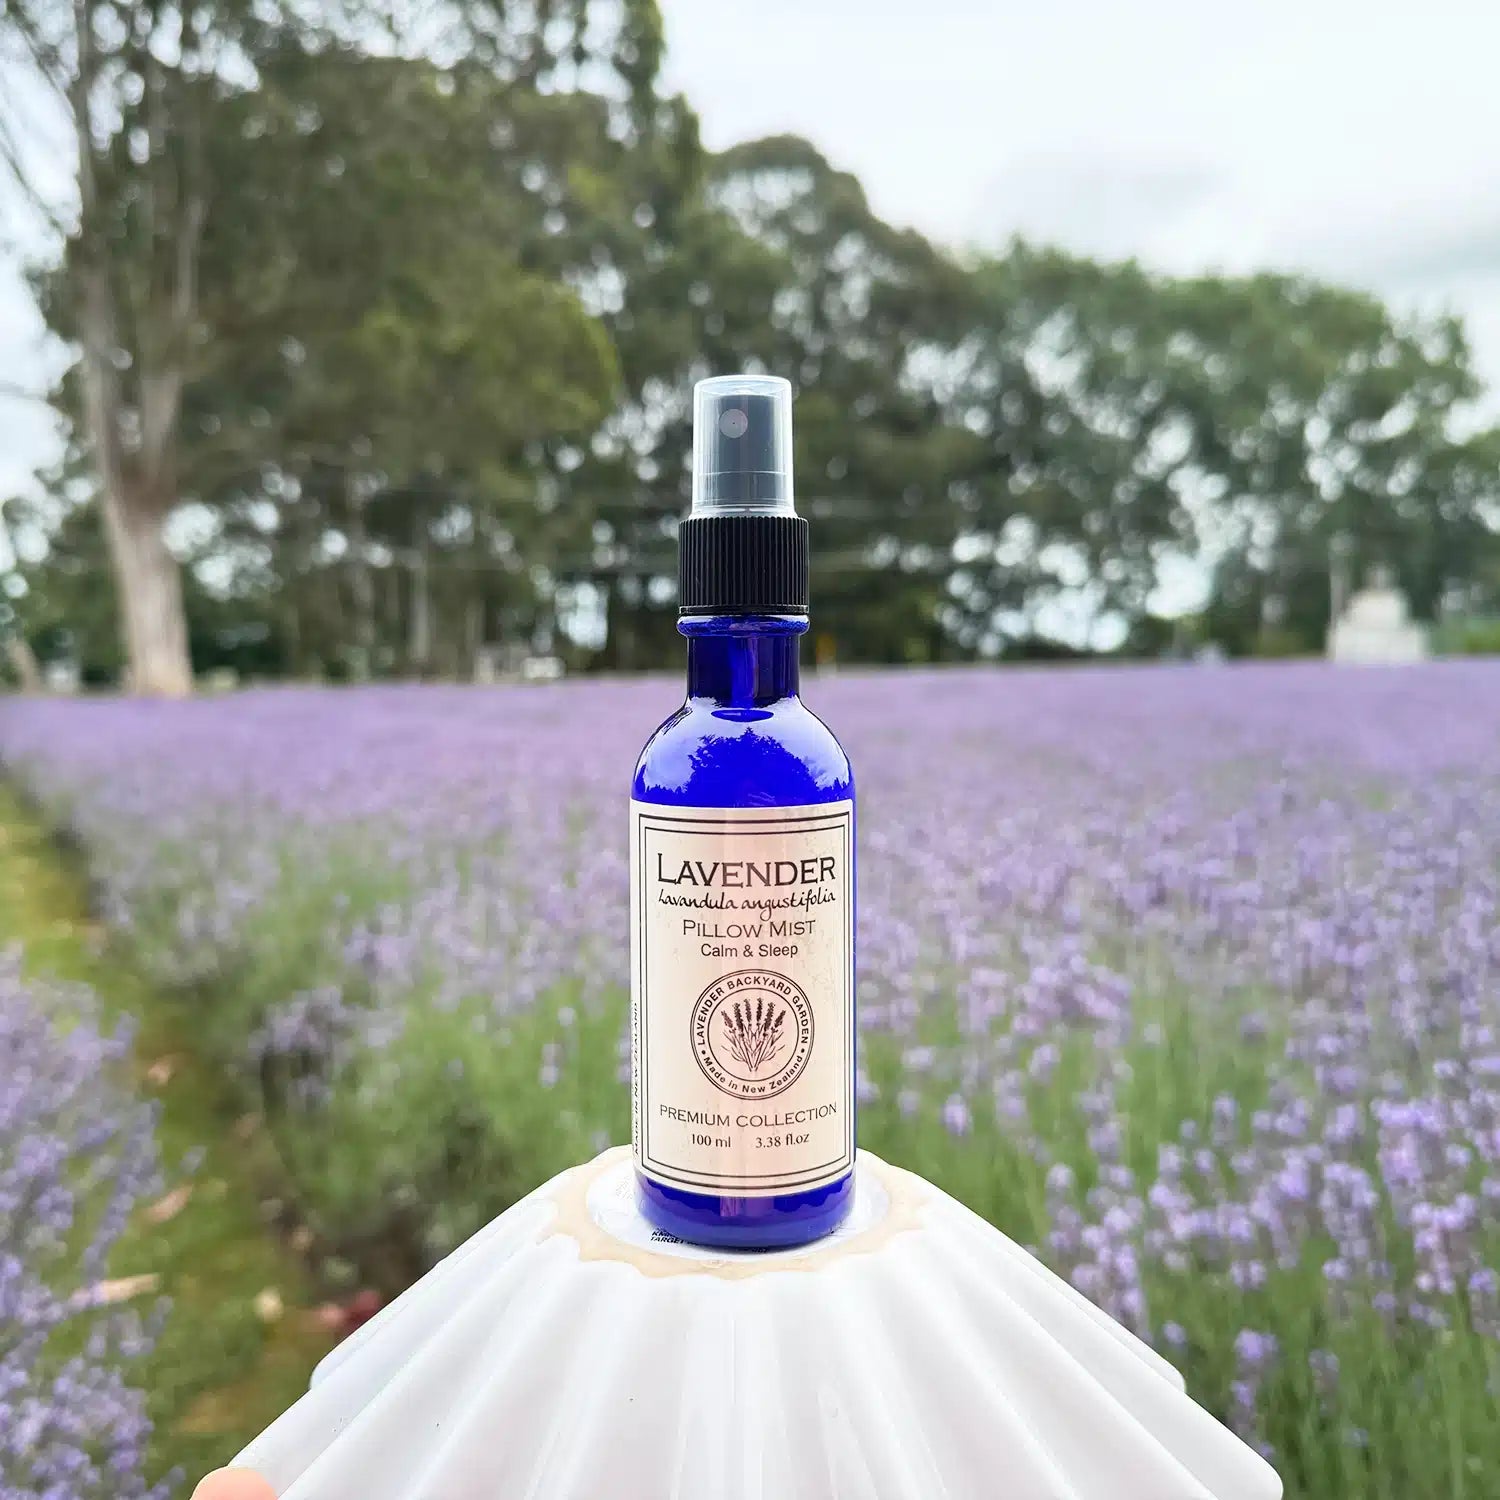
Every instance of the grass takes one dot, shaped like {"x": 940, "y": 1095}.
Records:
{"x": 222, "y": 1369}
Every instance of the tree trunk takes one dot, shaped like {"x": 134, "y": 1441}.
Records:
{"x": 148, "y": 580}
{"x": 23, "y": 663}
{"x": 361, "y": 584}
{"x": 391, "y": 600}
{"x": 473, "y": 637}
{"x": 421, "y": 609}
{"x": 18, "y": 650}
{"x": 613, "y": 655}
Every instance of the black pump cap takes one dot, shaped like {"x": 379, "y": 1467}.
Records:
{"x": 743, "y": 547}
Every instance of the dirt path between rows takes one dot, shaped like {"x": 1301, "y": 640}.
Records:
{"x": 242, "y": 1336}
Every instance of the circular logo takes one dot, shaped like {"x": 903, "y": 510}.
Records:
{"x": 752, "y": 1033}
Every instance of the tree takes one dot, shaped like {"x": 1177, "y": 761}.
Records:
{"x": 138, "y": 84}
{"x": 131, "y": 81}
{"x": 865, "y": 322}
{"x": 771, "y": 259}
{"x": 1252, "y": 426}
{"x": 396, "y": 362}
{"x": 1330, "y": 437}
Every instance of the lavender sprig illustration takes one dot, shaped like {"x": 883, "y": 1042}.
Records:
{"x": 755, "y": 1032}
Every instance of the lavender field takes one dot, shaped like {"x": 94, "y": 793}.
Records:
{"x": 1187, "y": 978}
{"x": 78, "y": 1156}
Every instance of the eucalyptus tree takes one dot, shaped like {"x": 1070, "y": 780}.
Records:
{"x": 141, "y": 90}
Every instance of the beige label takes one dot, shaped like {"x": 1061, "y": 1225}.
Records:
{"x": 742, "y": 995}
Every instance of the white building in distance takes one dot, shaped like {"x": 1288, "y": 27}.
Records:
{"x": 1376, "y": 628}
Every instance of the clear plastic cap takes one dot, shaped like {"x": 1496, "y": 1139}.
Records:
{"x": 742, "y": 446}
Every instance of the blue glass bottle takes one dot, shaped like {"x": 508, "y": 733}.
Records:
{"x": 742, "y": 833}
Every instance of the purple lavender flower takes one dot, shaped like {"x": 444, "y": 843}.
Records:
{"x": 76, "y": 1158}
{"x": 956, "y": 1117}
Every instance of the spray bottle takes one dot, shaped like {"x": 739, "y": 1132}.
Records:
{"x": 742, "y": 872}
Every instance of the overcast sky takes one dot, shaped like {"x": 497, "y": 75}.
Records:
{"x": 1360, "y": 141}
{"x": 1357, "y": 140}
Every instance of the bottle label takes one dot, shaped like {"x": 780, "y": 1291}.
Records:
{"x": 742, "y": 996}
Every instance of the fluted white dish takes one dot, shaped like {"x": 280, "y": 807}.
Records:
{"x": 566, "y": 1353}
